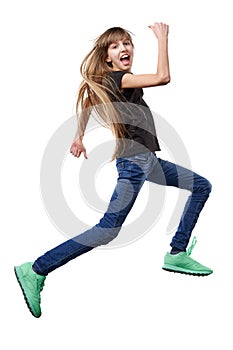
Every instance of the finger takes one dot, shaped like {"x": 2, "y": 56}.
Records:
{"x": 73, "y": 149}
{"x": 151, "y": 26}
{"x": 72, "y": 152}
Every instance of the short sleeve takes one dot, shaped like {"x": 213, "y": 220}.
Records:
{"x": 117, "y": 77}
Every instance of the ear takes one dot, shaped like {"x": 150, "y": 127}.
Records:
{"x": 108, "y": 60}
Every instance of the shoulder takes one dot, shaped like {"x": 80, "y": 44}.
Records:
{"x": 116, "y": 77}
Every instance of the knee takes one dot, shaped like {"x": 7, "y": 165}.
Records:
{"x": 208, "y": 186}
{"x": 109, "y": 238}
{"x": 204, "y": 186}
{"x": 108, "y": 234}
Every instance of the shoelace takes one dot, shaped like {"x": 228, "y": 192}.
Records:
{"x": 190, "y": 249}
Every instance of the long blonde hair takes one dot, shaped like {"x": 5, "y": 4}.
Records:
{"x": 94, "y": 90}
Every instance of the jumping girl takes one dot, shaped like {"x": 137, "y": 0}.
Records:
{"x": 115, "y": 95}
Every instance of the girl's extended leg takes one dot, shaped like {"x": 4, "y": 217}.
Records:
{"x": 31, "y": 276}
{"x": 129, "y": 183}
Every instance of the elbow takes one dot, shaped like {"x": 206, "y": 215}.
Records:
{"x": 165, "y": 79}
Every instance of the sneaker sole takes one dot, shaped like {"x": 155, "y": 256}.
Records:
{"x": 176, "y": 269}
{"x": 23, "y": 288}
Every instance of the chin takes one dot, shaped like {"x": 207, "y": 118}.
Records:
{"x": 126, "y": 68}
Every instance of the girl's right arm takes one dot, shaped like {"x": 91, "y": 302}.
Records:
{"x": 162, "y": 75}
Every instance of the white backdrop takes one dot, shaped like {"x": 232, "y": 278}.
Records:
{"x": 115, "y": 298}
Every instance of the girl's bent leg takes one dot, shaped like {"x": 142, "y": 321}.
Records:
{"x": 167, "y": 173}
{"x": 193, "y": 207}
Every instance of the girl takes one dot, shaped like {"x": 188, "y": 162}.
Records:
{"x": 115, "y": 95}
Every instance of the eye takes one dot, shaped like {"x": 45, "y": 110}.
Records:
{"x": 127, "y": 43}
{"x": 113, "y": 46}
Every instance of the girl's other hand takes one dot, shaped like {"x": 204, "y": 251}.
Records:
{"x": 77, "y": 148}
{"x": 160, "y": 30}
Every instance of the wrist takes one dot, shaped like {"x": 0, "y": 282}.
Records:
{"x": 79, "y": 139}
{"x": 162, "y": 39}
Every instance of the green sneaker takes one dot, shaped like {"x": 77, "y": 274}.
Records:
{"x": 31, "y": 284}
{"x": 183, "y": 263}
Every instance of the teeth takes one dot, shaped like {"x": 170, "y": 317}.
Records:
{"x": 124, "y": 56}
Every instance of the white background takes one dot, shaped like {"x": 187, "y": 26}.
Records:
{"x": 115, "y": 298}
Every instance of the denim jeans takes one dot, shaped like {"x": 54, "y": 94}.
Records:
{"x": 132, "y": 173}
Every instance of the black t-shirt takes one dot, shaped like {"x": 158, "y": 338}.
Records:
{"x": 136, "y": 116}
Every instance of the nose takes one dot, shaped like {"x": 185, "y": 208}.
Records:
{"x": 122, "y": 46}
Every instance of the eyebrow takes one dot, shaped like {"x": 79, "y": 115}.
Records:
{"x": 122, "y": 39}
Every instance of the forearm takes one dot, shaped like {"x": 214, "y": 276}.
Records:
{"x": 162, "y": 74}
{"x": 163, "y": 69}
{"x": 83, "y": 118}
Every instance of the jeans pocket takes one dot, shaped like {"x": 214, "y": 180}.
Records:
{"x": 120, "y": 163}
{"x": 123, "y": 167}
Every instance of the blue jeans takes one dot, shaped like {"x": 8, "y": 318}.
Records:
{"x": 133, "y": 172}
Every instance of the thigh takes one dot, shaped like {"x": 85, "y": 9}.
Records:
{"x": 170, "y": 174}
{"x": 132, "y": 171}
{"x": 129, "y": 182}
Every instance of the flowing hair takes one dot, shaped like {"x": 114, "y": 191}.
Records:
{"x": 95, "y": 88}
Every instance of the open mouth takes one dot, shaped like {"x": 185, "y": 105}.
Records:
{"x": 125, "y": 59}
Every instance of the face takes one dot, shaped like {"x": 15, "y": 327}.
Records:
{"x": 120, "y": 55}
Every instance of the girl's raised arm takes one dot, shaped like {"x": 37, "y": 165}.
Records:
{"x": 162, "y": 75}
